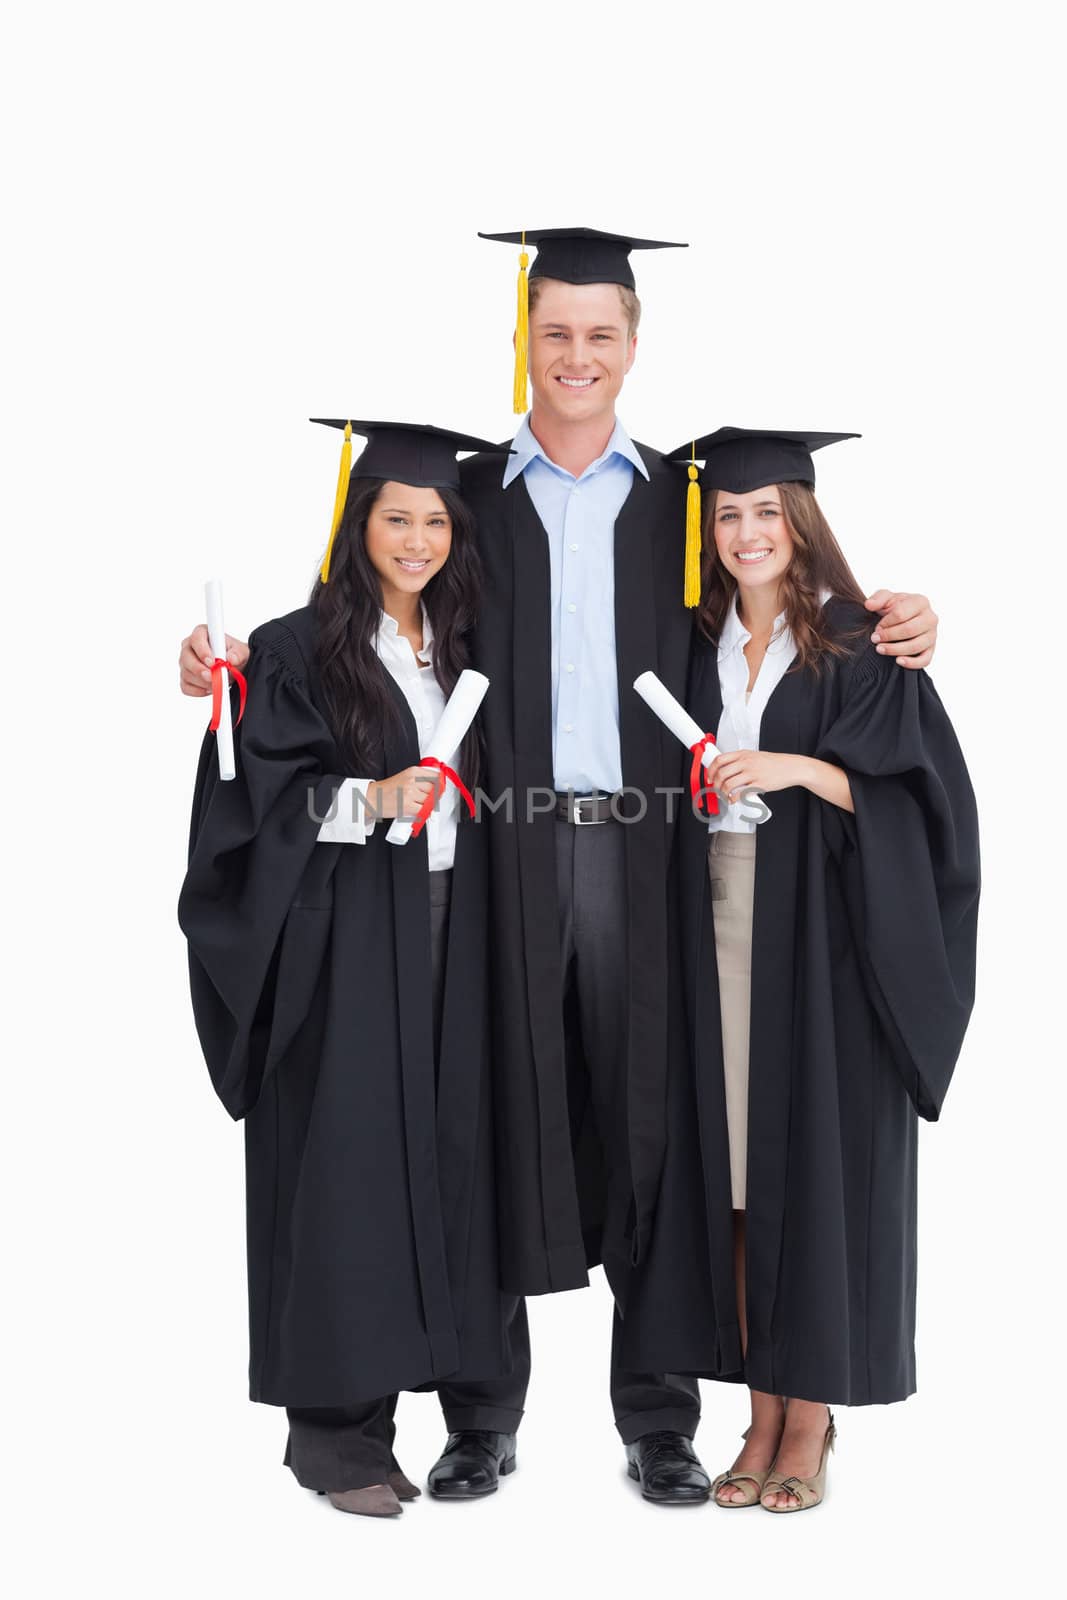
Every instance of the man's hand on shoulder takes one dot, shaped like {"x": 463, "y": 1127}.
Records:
{"x": 194, "y": 661}
{"x": 907, "y": 627}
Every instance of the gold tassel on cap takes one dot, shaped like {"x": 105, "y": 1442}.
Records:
{"x": 340, "y": 497}
{"x": 692, "y": 536}
{"x": 522, "y": 333}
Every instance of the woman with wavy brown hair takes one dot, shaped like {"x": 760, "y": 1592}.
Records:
{"x": 340, "y": 988}
{"x": 828, "y": 956}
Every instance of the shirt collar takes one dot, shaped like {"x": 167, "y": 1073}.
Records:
{"x": 527, "y": 448}
{"x": 389, "y": 626}
{"x": 735, "y": 635}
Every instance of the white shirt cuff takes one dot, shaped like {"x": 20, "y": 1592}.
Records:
{"x": 351, "y": 822}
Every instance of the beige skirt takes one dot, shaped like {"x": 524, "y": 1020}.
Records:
{"x": 732, "y": 869}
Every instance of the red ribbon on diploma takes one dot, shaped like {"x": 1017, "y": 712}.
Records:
{"x": 216, "y": 691}
{"x": 709, "y": 798}
{"x": 450, "y": 776}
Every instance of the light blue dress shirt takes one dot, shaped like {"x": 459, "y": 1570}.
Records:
{"x": 578, "y": 516}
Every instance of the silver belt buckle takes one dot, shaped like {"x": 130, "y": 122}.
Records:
{"x": 576, "y": 811}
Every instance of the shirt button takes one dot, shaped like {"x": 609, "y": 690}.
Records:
{"x": 574, "y": 547}
{"x": 568, "y": 727}
{"x": 570, "y": 666}
{"x": 577, "y": 491}
{"x": 572, "y": 608}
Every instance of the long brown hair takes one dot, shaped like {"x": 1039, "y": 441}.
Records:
{"x": 348, "y": 612}
{"x": 817, "y": 564}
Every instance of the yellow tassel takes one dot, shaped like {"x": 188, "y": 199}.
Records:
{"x": 522, "y": 335}
{"x": 692, "y": 540}
{"x": 339, "y": 499}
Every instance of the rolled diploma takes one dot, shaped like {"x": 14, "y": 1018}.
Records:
{"x": 449, "y": 734}
{"x": 672, "y": 713}
{"x": 674, "y": 716}
{"x": 217, "y": 636}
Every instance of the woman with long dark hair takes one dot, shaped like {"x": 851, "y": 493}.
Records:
{"x": 829, "y": 942}
{"x": 339, "y": 982}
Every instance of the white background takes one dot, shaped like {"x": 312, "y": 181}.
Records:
{"x": 223, "y": 219}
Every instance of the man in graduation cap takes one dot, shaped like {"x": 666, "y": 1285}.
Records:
{"x": 580, "y": 539}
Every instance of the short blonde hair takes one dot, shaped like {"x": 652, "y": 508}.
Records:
{"x": 631, "y": 305}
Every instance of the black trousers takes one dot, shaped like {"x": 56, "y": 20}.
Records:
{"x": 593, "y": 916}
{"x": 342, "y": 1447}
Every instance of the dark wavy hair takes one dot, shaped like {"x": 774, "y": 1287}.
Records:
{"x": 817, "y": 564}
{"x": 347, "y": 610}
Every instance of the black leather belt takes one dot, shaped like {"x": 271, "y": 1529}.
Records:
{"x": 582, "y": 809}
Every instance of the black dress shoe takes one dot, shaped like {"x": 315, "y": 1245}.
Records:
{"x": 472, "y": 1464}
{"x": 666, "y": 1467}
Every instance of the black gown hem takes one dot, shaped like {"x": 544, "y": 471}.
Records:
{"x": 546, "y": 1273}
{"x": 403, "y": 1379}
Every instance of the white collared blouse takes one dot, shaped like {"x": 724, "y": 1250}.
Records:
{"x": 742, "y": 713}
{"x": 413, "y": 672}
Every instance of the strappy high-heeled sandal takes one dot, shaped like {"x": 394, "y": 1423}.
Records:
{"x": 807, "y": 1491}
{"x": 740, "y": 1480}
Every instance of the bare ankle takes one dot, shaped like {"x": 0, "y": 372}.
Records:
{"x": 768, "y": 1411}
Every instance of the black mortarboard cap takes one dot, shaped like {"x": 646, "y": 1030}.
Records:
{"x": 410, "y": 452}
{"x": 739, "y": 460}
{"x": 582, "y": 255}
{"x": 742, "y": 459}
{"x": 404, "y": 452}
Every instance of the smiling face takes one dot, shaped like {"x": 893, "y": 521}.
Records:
{"x": 752, "y": 536}
{"x": 581, "y": 349}
{"x": 408, "y": 538}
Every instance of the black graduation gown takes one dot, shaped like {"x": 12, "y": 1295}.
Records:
{"x": 863, "y": 962}
{"x": 371, "y": 1234}
{"x": 552, "y": 1205}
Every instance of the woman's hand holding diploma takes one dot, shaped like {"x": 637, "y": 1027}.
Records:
{"x": 403, "y": 793}
{"x": 456, "y": 719}
{"x": 194, "y": 661}
{"x": 766, "y": 770}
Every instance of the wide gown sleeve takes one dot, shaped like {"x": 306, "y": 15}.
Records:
{"x": 251, "y": 844}
{"x": 910, "y": 863}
